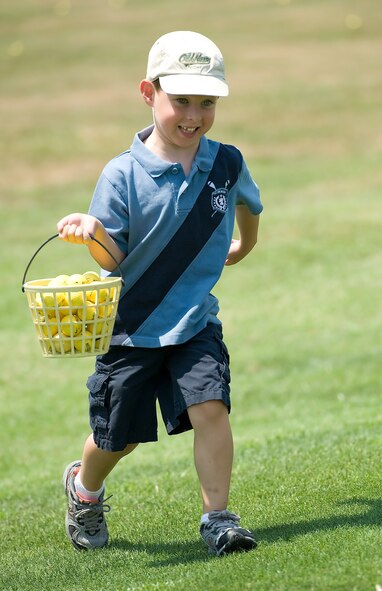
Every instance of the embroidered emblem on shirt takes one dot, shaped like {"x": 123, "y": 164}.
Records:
{"x": 219, "y": 200}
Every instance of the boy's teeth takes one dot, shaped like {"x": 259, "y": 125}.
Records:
{"x": 189, "y": 129}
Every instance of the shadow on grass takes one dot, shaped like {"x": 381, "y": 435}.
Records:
{"x": 372, "y": 516}
{"x": 166, "y": 553}
{"x": 173, "y": 553}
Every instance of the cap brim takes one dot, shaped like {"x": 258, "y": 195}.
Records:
{"x": 198, "y": 84}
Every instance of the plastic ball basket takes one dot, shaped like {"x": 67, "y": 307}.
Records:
{"x": 73, "y": 320}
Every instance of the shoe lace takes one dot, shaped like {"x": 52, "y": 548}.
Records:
{"x": 90, "y": 515}
{"x": 222, "y": 520}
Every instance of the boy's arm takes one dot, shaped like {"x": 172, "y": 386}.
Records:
{"x": 248, "y": 225}
{"x": 77, "y": 227}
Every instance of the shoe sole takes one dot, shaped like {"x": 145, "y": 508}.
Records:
{"x": 236, "y": 543}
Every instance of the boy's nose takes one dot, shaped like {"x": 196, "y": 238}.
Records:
{"x": 193, "y": 113}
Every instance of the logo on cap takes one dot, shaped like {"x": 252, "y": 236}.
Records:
{"x": 194, "y": 59}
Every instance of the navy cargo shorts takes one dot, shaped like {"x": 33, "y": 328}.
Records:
{"x": 128, "y": 382}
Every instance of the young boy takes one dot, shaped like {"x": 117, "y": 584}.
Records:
{"x": 166, "y": 210}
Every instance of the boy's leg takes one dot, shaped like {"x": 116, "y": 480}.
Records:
{"x": 213, "y": 452}
{"x": 194, "y": 394}
{"x": 85, "y": 521}
{"x": 97, "y": 463}
{"x": 122, "y": 408}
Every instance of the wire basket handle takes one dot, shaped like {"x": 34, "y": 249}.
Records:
{"x": 56, "y": 236}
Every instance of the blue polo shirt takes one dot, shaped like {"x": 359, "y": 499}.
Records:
{"x": 176, "y": 232}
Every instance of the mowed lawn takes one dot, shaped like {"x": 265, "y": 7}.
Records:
{"x": 302, "y": 314}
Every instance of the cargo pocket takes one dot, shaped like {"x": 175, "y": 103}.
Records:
{"x": 99, "y": 404}
{"x": 224, "y": 360}
{"x": 226, "y": 375}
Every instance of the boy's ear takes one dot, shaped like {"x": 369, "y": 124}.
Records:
{"x": 147, "y": 91}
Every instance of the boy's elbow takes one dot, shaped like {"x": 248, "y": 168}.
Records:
{"x": 253, "y": 241}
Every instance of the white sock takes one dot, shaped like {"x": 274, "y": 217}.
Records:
{"x": 89, "y": 496}
{"x": 204, "y": 518}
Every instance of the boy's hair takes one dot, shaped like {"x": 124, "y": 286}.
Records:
{"x": 184, "y": 62}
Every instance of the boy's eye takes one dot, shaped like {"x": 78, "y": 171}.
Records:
{"x": 208, "y": 103}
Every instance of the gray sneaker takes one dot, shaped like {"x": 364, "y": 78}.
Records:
{"x": 223, "y": 535}
{"x": 85, "y": 522}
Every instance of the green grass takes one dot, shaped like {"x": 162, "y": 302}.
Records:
{"x": 302, "y": 313}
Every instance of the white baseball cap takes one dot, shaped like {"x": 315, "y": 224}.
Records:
{"x": 187, "y": 63}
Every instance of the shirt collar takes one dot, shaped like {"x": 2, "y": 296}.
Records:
{"x": 155, "y": 166}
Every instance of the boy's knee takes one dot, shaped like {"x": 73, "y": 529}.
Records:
{"x": 126, "y": 451}
{"x": 207, "y": 412}
{"x": 129, "y": 448}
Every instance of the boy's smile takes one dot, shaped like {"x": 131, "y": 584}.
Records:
{"x": 189, "y": 130}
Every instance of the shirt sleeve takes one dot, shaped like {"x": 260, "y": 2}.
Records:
{"x": 248, "y": 192}
{"x": 109, "y": 206}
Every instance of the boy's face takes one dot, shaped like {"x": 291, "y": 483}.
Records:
{"x": 181, "y": 120}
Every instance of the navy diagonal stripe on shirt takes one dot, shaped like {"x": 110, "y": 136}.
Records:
{"x": 153, "y": 285}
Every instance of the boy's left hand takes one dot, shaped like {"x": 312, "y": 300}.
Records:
{"x": 247, "y": 225}
{"x": 235, "y": 253}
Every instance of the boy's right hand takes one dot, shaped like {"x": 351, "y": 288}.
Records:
{"x": 77, "y": 228}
